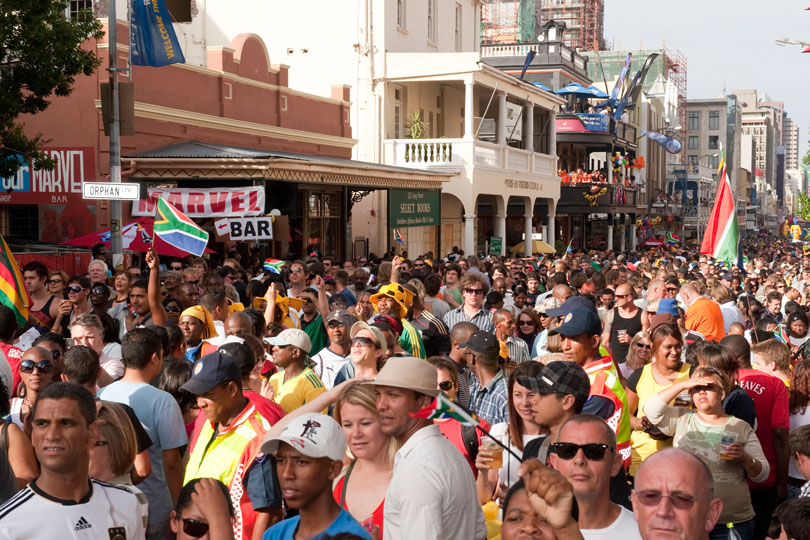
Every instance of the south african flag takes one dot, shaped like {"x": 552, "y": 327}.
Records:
{"x": 273, "y": 265}
{"x": 174, "y": 228}
{"x": 442, "y": 407}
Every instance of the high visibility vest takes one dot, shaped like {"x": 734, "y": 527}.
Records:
{"x": 605, "y": 382}
{"x": 227, "y": 456}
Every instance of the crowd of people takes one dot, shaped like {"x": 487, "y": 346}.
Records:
{"x": 651, "y": 394}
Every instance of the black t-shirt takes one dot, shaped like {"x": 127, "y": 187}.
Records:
{"x": 738, "y": 403}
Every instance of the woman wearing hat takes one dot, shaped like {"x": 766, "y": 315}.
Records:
{"x": 539, "y": 346}
{"x": 393, "y": 300}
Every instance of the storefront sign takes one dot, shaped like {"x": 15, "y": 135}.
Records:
{"x": 584, "y": 122}
{"x": 414, "y": 207}
{"x": 61, "y": 185}
{"x": 214, "y": 202}
{"x": 258, "y": 228}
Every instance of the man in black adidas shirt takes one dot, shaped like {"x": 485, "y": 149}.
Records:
{"x": 64, "y": 502}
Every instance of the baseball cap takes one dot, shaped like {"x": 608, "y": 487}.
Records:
{"x": 342, "y": 316}
{"x": 579, "y": 321}
{"x": 291, "y": 336}
{"x": 560, "y": 377}
{"x": 315, "y": 435}
{"x": 209, "y": 371}
{"x": 483, "y": 343}
{"x": 573, "y": 302}
{"x": 668, "y": 305}
{"x": 408, "y": 372}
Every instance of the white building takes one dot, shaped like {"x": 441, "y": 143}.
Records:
{"x": 401, "y": 57}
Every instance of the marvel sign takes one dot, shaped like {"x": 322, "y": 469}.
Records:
{"x": 212, "y": 202}
{"x": 61, "y": 185}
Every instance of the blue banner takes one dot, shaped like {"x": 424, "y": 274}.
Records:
{"x": 152, "y": 36}
{"x": 594, "y": 121}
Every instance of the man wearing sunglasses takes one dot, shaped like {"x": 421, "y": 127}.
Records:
{"x": 64, "y": 502}
{"x": 474, "y": 290}
{"x": 674, "y": 497}
{"x": 585, "y": 454}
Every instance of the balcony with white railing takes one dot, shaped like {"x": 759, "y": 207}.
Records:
{"x": 449, "y": 154}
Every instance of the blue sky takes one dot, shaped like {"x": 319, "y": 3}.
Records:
{"x": 727, "y": 43}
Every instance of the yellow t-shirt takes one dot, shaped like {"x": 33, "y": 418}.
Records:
{"x": 296, "y": 391}
{"x": 644, "y": 445}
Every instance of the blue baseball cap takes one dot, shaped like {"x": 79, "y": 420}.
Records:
{"x": 573, "y": 302}
{"x": 668, "y": 305}
{"x": 579, "y": 321}
{"x": 210, "y": 370}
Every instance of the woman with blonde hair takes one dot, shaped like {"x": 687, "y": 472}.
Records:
{"x": 639, "y": 354}
{"x": 362, "y": 488}
{"x": 57, "y": 282}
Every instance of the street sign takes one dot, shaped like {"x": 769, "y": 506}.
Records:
{"x": 111, "y": 191}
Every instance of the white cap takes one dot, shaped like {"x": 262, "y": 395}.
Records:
{"x": 292, "y": 336}
{"x": 315, "y": 435}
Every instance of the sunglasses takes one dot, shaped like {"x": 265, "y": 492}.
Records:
{"x": 75, "y": 289}
{"x": 592, "y": 451}
{"x": 474, "y": 291}
{"x": 706, "y": 387}
{"x": 526, "y": 323}
{"x": 643, "y": 346}
{"x": 192, "y": 527}
{"x": 55, "y": 281}
{"x": 446, "y": 386}
{"x": 172, "y": 309}
{"x": 672, "y": 289}
{"x": 650, "y": 497}
{"x": 28, "y": 366}
{"x": 99, "y": 290}
{"x": 363, "y": 341}
{"x": 334, "y": 324}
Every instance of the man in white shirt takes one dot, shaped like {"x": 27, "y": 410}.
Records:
{"x": 432, "y": 492}
{"x": 585, "y": 453}
{"x": 63, "y": 502}
{"x": 333, "y": 357}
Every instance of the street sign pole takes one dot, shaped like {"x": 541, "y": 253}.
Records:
{"x": 116, "y": 242}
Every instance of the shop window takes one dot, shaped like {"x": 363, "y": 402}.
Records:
{"x": 322, "y": 225}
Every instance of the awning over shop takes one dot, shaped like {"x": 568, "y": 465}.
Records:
{"x": 202, "y": 160}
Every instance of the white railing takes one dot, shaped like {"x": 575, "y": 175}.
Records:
{"x": 509, "y": 49}
{"x": 448, "y": 154}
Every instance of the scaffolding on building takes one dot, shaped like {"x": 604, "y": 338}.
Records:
{"x": 508, "y": 21}
{"x": 584, "y": 21}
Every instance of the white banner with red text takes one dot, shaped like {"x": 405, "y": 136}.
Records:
{"x": 202, "y": 202}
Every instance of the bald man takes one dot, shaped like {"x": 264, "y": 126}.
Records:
{"x": 675, "y": 473}
{"x": 702, "y": 314}
{"x": 238, "y": 322}
{"x": 560, "y": 292}
{"x": 460, "y": 333}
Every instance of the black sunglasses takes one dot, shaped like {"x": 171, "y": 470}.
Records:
{"x": 28, "y": 366}
{"x": 192, "y": 527}
{"x": 363, "y": 341}
{"x": 643, "y": 346}
{"x": 592, "y": 451}
{"x": 446, "y": 386}
{"x": 99, "y": 290}
{"x": 55, "y": 281}
{"x": 334, "y": 324}
{"x": 75, "y": 289}
{"x": 172, "y": 309}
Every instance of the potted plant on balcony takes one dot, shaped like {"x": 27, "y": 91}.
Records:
{"x": 416, "y": 128}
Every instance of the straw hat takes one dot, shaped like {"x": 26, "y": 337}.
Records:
{"x": 410, "y": 373}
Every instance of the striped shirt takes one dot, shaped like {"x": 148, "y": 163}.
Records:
{"x": 490, "y": 402}
{"x": 463, "y": 396}
{"x": 295, "y": 391}
{"x": 411, "y": 341}
{"x": 518, "y": 350}
{"x": 482, "y": 319}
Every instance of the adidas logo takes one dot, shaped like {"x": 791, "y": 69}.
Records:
{"x": 81, "y": 524}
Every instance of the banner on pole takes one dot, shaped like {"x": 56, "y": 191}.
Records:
{"x": 152, "y": 36}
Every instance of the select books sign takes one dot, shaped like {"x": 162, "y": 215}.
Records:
{"x": 414, "y": 207}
